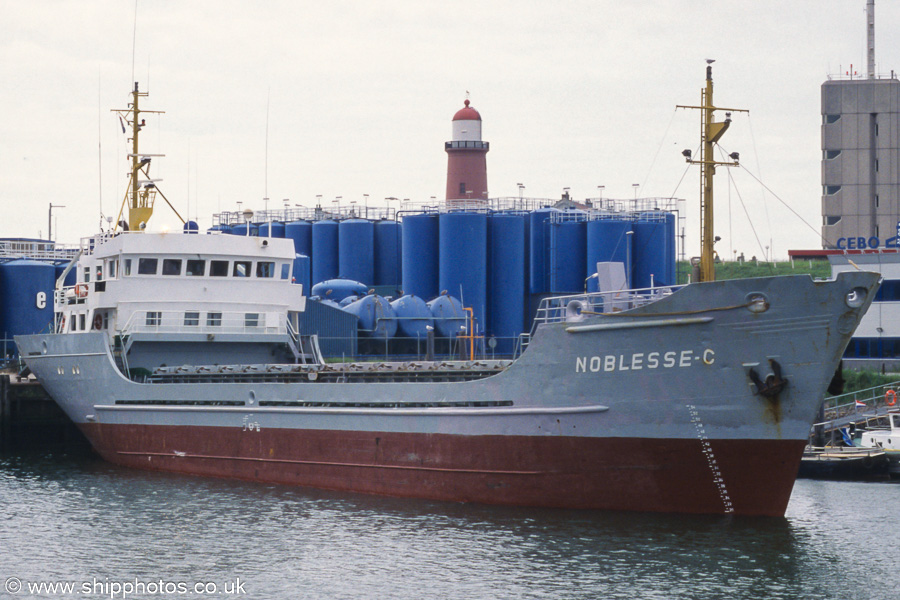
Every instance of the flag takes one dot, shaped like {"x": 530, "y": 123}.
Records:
{"x": 122, "y": 123}
{"x": 860, "y": 404}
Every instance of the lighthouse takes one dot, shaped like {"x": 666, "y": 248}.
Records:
{"x": 466, "y": 160}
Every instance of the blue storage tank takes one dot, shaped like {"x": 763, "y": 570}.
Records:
{"x": 324, "y": 251}
{"x": 649, "y": 251}
{"x": 356, "y": 249}
{"x": 507, "y": 279}
{"x": 26, "y": 287}
{"x": 568, "y": 257}
{"x": 463, "y": 260}
{"x": 338, "y": 289}
{"x": 387, "y": 253}
{"x": 219, "y": 229}
{"x": 449, "y": 316}
{"x": 277, "y": 229}
{"x": 191, "y": 227}
{"x": 376, "y": 317}
{"x": 301, "y": 233}
{"x": 538, "y": 249}
{"x": 348, "y": 300}
{"x": 242, "y": 229}
{"x": 419, "y": 248}
{"x": 607, "y": 241}
{"x": 413, "y": 316}
{"x": 301, "y": 273}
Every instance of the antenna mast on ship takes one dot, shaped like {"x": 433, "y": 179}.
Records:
{"x": 710, "y": 133}
{"x": 141, "y": 193}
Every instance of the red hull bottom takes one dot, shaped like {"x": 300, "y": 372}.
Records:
{"x": 745, "y": 477}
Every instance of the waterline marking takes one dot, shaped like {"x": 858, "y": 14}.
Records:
{"x": 123, "y": 589}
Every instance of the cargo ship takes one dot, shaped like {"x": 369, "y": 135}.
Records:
{"x": 180, "y": 352}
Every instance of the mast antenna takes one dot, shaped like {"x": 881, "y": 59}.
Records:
{"x": 870, "y": 37}
{"x": 710, "y": 133}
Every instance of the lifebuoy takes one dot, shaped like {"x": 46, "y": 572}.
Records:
{"x": 81, "y": 290}
{"x": 890, "y": 397}
{"x": 98, "y": 321}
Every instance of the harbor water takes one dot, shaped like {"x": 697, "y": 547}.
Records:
{"x": 109, "y": 532}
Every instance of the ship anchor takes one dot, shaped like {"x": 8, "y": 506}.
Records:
{"x": 774, "y": 383}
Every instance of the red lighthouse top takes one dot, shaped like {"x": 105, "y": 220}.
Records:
{"x": 467, "y": 114}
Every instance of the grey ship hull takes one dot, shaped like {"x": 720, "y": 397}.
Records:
{"x": 654, "y": 409}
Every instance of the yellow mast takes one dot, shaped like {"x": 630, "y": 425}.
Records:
{"x": 710, "y": 133}
{"x": 141, "y": 194}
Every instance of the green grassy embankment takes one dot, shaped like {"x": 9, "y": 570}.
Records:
{"x": 819, "y": 269}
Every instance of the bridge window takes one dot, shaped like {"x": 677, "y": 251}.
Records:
{"x": 191, "y": 319}
{"x": 153, "y": 318}
{"x": 831, "y": 154}
{"x": 147, "y": 266}
{"x": 241, "y": 268}
{"x": 171, "y": 266}
{"x": 214, "y": 319}
{"x": 830, "y": 190}
{"x": 251, "y": 320}
{"x": 126, "y": 267}
{"x": 195, "y": 268}
{"x": 829, "y": 119}
{"x": 285, "y": 271}
{"x": 265, "y": 269}
{"x": 218, "y": 268}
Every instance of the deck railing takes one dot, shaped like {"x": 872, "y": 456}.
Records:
{"x": 575, "y": 307}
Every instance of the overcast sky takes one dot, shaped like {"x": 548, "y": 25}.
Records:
{"x": 360, "y": 96}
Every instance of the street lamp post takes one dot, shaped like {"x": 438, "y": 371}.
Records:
{"x": 50, "y": 219}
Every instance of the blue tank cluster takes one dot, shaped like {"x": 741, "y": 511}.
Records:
{"x": 498, "y": 264}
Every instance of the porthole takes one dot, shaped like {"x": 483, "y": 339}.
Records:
{"x": 757, "y": 302}
{"x": 856, "y": 297}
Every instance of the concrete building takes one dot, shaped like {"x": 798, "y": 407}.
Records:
{"x": 861, "y": 157}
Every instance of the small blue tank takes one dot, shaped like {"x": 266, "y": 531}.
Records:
{"x": 449, "y": 316}
{"x": 191, "y": 227}
{"x": 413, "y": 316}
{"x": 348, "y": 300}
{"x": 338, "y": 289}
{"x": 376, "y": 317}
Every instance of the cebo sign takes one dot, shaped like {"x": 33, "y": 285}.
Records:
{"x": 862, "y": 243}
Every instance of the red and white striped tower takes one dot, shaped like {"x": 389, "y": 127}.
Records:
{"x": 466, "y": 161}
